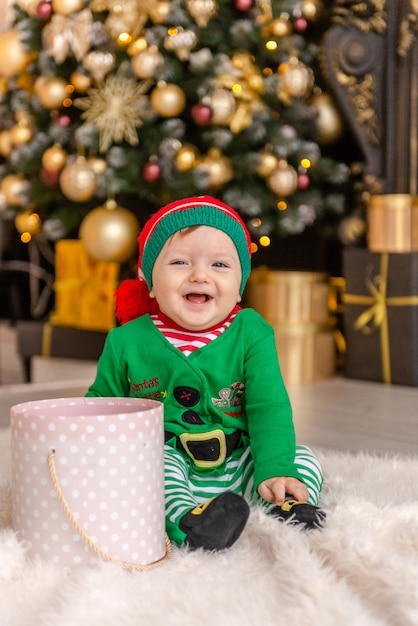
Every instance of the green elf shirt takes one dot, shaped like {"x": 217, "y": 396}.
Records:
{"x": 232, "y": 384}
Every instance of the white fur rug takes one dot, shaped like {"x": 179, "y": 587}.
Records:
{"x": 361, "y": 569}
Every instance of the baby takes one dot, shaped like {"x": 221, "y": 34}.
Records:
{"x": 185, "y": 341}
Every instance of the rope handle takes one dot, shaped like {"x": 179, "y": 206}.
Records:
{"x": 105, "y": 555}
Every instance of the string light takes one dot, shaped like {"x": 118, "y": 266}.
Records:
{"x": 271, "y": 45}
{"x": 264, "y": 241}
{"x": 124, "y": 39}
{"x": 25, "y": 237}
{"x": 237, "y": 88}
{"x": 282, "y": 205}
{"x": 254, "y": 247}
{"x": 305, "y": 163}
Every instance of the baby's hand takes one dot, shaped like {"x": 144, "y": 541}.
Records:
{"x": 275, "y": 489}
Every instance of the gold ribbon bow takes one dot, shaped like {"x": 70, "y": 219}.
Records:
{"x": 376, "y": 315}
{"x": 245, "y": 83}
{"x": 64, "y": 33}
{"x": 102, "y": 290}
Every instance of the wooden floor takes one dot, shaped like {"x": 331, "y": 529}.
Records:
{"x": 354, "y": 416}
{"x": 337, "y": 413}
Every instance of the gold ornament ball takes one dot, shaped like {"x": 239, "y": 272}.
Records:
{"x": 145, "y": 64}
{"x": 78, "y": 181}
{"x": 66, "y": 7}
{"x": 28, "y": 222}
{"x": 312, "y": 9}
{"x": 54, "y": 158}
{"x": 283, "y": 181}
{"x": 222, "y": 103}
{"x": 219, "y": 168}
{"x": 21, "y": 133}
{"x": 159, "y": 11}
{"x": 138, "y": 45}
{"x": 109, "y": 233}
{"x": 295, "y": 79}
{"x": 329, "y": 124}
{"x": 5, "y": 143}
{"x": 98, "y": 165}
{"x": 99, "y": 63}
{"x": 267, "y": 163}
{"x": 186, "y": 158}
{"x": 13, "y": 57}
{"x": 39, "y": 82}
{"x": 80, "y": 81}
{"x": 280, "y": 27}
{"x": 51, "y": 91}
{"x": 168, "y": 100}
{"x": 202, "y": 11}
{"x": 14, "y": 187}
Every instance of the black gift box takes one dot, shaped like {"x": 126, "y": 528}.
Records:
{"x": 381, "y": 316}
{"x": 40, "y": 338}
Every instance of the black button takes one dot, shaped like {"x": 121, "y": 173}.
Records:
{"x": 191, "y": 417}
{"x": 186, "y": 396}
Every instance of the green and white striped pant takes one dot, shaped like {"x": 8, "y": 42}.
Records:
{"x": 186, "y": 488}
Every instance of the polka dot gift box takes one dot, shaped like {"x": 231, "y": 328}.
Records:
{"x": 88, "y": 480}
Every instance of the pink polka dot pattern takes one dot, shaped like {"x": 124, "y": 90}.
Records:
{"x": 110, "y": 466}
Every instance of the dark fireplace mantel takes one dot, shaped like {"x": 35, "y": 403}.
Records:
{"x": 370, "y": 58}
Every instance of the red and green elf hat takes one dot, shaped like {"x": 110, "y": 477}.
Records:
{"x": 132, "y": 297}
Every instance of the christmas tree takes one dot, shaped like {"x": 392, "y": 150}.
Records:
{"x": 133, "y": 104}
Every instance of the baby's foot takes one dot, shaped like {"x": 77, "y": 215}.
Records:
{"x": 308, "y": 515}
{"x": 216, "y": 524}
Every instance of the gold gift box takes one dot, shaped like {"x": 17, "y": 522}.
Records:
{"x": 393, "y": 223}
{"x": 296, "y": 304}
{"x": 307, "y": 352}
{"x": 84, "y": 288}
{"x": 288, "y": 296}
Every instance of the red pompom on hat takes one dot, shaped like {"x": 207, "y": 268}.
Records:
{"x": 133, "y": 300}
{"x": 132, "y": 296}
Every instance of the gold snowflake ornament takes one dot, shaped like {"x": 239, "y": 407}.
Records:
{"x": 115, "y": 109}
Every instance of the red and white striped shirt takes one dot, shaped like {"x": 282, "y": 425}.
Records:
{"x": 187, "y": 341}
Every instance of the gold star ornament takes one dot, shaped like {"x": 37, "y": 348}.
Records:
{"x": 116, "y": 109}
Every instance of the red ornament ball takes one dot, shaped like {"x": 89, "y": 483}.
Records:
{"x": 151, "y": 172}
{"x": 44, "y": 10}
{"x": 49, "y": 177}
{"x": 303, "y": 181}
{"x": 300, "y": 24}
{"x": 202, "y": 114}
{"x": 243, "y": 5}
{"x": 63, "y": 120}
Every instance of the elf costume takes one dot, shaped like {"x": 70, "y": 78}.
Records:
{"x": 227, "y": 415}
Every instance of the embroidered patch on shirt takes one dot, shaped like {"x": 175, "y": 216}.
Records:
{"x": 229, "y": 396}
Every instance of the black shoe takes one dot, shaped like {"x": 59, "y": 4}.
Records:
{"x": 216, "y": 524}
{"x": 308, "y": 515}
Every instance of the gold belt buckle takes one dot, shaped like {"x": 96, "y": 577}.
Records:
{"x": 218, "y": 434}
